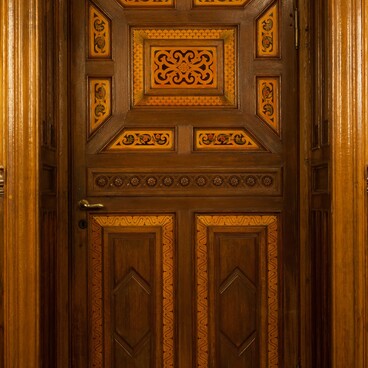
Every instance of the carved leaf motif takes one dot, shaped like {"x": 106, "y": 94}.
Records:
{"x": 99, "y": 34}
{"x": 268, "y": 33}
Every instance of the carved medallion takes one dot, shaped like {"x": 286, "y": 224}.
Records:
{"x": 204, "y": 223}
{"x": 268, "y": 101}
{"x": 99, "y": 102}
{"x": 220, "y": 2}
{"x": 225, "y": 139}
{"x": 268, "y": 32}
{"x": 175, "y": 67}
{"x": 99, "y": 34}
{"x": 143, "y": 139}
{"x": 147, "y": 3}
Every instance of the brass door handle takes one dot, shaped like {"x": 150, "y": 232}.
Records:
{"x": 85, "y": 205}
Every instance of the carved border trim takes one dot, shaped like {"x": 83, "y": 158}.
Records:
{"x": 98, "y": 222}
{"x": 203, "y": 222}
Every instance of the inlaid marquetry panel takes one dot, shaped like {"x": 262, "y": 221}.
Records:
{"x": 146, "y": 3}
{"x": 143, "y": 139}
{"x": 268, "y": 101}
{"x": 210, "y": 3}
{"x": 131, "y": 280}
{"x": 225, "y": 139}
{"x": 268, "y": 32}
{"x": 267, "y": 182}
{"x": 99, "y": 90}
{"x": 99, "y": 34}
{"x": 184, "y": 67}
{"x": 175, "y": 67}
{"x": 237, "y": 290}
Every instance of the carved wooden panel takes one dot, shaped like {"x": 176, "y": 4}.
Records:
{"x": 175, "y": 67}
{"x": 143, "y": 139}
{"x": 119, "y": 183}
{"x": 268, "y": 101}
{"x": 99, "y": 102}
{"x": 268, "y": 32}
{"x": 131, "y": 288}
{"x": 225, "y": 139}
{"x": 146, "y": 3}
{"x": 210, "y": 3}
{"x": 237, "y": 279}
{"x": 99, "y": 34}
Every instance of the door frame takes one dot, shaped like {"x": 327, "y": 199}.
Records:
{"x": 19, "y": 153}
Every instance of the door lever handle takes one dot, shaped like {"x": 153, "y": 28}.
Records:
{"x": 85, "y": 205}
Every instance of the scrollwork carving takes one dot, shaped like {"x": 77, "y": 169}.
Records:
{"x": 99, "y": 34}
{"x": 268, "y": 32}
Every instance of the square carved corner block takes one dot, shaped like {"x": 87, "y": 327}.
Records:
{"x": 191, "y": 67}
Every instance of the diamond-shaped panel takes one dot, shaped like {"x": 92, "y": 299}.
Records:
{"x": 132, "y": 309}
{"x": 238, "y": 304}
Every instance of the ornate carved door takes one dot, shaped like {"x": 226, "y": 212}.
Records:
{"x": 184, "y": 126}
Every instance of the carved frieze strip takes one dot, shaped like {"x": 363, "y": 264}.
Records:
{"x": 252, "y": 182}
{"x": 225, "y": 139}
{"x": 147, "y": 3}
{"x": 182, "y": 66}
{"x": 268, "y": 32}
{"x": 166, "y": 225}
{"x": 268, "y": 101}
{"x": 99, "y": 34}
{"x": 99, "y": 90}
{"x": 203, "y": 224}
{"x": 210, "y": 3}
{"x": 143, "y": 140}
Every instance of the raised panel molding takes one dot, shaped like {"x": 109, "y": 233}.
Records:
{"x": 261, "y": 226}
{"x": 99, "y": 34}
{"x": 249, "y": 182}
{"x": 102, "y": 228}
{"x": 194, "y": 67}
{"x": 268, "y": 32}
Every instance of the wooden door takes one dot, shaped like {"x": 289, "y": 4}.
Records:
{"x": 184, "y": 126}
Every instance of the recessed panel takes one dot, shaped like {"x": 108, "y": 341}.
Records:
{"x": 193, "y": 67}
{"x": 147, "y": 3}
{"x": 99, "y": 34}
{"x": 210, "y": 3}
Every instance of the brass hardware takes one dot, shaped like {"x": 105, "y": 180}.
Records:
{"x": 296, "y": 28}
{"x": 2, "y": 180}
{"x": 85, "y": 205}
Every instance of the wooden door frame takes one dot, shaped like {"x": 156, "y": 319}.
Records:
{"x": 19, "y": 152}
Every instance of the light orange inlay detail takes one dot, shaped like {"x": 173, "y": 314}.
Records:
{"x": 225, "y": 139}
{"x": 203, "y": 223}
{"x": 268, "y": 101}
{"x": 268, "y": 33}
{"x": 166, "y": 224}
{"x": 99, "y": 102}
{"x": 143, "y": 139}
{"x": 140, "y": 65}
{"x": 175, "y": 67}
{"x": 220, "y": 2}
{"x": 146, "y": 3}
{"x": 99, "y": 34}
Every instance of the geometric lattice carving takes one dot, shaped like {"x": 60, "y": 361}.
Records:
{"x": 184, "y": 67}
{"x": 146, "y": 3}
{"x": 268, "y": 32}
{"x": 268, "y": 101}
{"x": 143, "y": 139}
{"x": 99, "y": 102}
{"x": 99, "y": 34}
{"x": 220, "y": 2}
{"x": 225, "y": 139}
{"x": 132, "y": 284}
{"x": 203, "y": 224}
{"x": 175, "y": 67}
